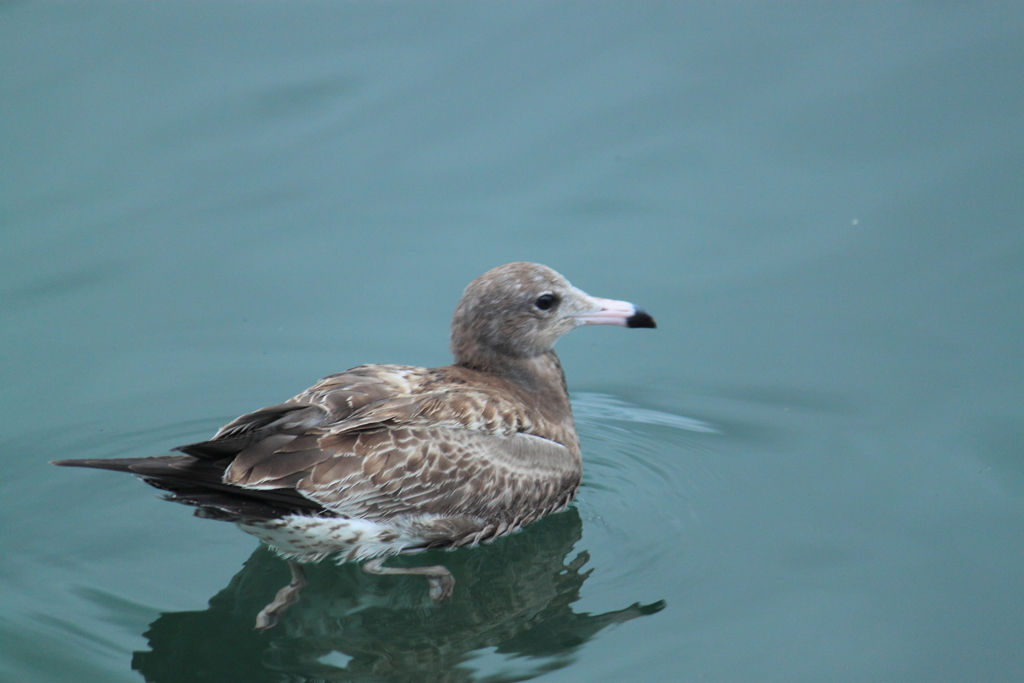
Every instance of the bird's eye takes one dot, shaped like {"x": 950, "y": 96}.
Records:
{"x": 545, "y": 301}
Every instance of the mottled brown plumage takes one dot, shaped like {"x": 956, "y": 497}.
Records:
{"x": 384, "y": 459}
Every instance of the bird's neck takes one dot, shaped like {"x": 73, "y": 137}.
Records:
{"x": 538, "y": 376}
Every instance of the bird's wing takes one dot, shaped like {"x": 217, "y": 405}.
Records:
{"x": 380, "y": 441}
{"x": 392, "y": 471}
{"x": 330, "y": 401}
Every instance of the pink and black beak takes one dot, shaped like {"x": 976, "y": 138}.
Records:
{"x": 612, "y": 312}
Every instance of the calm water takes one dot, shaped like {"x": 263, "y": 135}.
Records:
{"x": 813, "y": 470}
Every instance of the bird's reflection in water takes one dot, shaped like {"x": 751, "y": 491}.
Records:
{"x": 513, "y": 597}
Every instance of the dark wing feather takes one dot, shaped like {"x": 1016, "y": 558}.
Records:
{"x": 286, "y": 418}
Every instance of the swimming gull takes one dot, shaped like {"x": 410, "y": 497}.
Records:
{"x": 387, "y": 459}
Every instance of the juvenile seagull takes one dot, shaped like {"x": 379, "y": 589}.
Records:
{"x": 387, "y": 459}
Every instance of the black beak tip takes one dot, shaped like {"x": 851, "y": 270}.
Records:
{"x": 640, "y": 318}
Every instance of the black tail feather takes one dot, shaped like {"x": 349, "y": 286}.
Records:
{"x": 199, "y": 482}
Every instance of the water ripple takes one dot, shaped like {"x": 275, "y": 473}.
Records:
{"x": 594, "y": 408}
{"x": 646, "y": 473}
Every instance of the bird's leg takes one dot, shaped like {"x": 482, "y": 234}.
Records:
{"x": 439, "y": 578}
{"x": 285, "y": 598}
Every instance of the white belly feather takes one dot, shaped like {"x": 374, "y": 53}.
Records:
{"x": 311, "y": 539}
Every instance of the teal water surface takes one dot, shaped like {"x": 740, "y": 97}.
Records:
{"x": 813, "y": 470}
